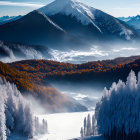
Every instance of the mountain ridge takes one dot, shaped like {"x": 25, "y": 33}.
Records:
{"x": 6, "y": 19}
{"x": 56, "y": 71}
{"x": 67, "y": 29}
{"x": 85, "y": 14}
{"x": 133, "y": 21}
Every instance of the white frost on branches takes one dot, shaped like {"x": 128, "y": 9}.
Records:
{"x": 118, "y": 111}
{"x": 119, "y": 108}
{"x": 89, "y": 128}
{"x": 16, "y": 115}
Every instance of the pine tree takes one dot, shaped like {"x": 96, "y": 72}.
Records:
{"x": 85, "y": 126}
{"x": 118, "y": 115}
{"x": 15, "y": 114}
{"x": 89, "y": 128}
{"x": 82, "y": 132}
{"x": 93, "y": 126}
{"x": 28, "y": 129}
{"x": 2, "y": 120}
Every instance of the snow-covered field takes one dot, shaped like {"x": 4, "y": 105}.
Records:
{"x": 63, "y": 126}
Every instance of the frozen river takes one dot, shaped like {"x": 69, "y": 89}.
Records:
{"x": 63, "y": 126}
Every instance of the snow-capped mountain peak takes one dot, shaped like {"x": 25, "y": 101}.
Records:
{"x": 75, "y": 8}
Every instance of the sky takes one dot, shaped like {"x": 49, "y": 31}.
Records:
{"x": 117, "y": 8}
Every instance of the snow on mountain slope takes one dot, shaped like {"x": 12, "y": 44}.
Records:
{"x": 51, "y": 22}
{"x": 135, "y": 22}
{"x": 82, "y": 12}
{"x": 102, "y": 22}
{"x": 6, "y": 19}
{"x": 132, "y": 21}
{"x": 125, "y": 19}
{"x": 65, "y": 24}
{"x": 70, "y": 7}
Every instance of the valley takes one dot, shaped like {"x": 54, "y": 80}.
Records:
{"x": 69, "y": 70}
{"x": 75, "y": 86}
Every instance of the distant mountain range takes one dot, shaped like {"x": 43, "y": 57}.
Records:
{"x": 64, "y": 24}
{"x": 132, "y": 21}
{"x": 6, "y": 19}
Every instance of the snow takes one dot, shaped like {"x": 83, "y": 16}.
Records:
{"x": 126, "y": 32}
{"x": 50, "y": 21}
{"x": 84, "y": 13}
{"x": 15, "y": 112}
{"x": 91, "y": 138}
{"x": 117, "y": 114}
{"x": 63, "y": 126}
{"x": 119, "y": 107}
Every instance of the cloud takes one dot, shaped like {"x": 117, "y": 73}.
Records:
{"x": 124, "y": 49}
{"x": 72, "y": 55}
{"x": 22, "y": 4}
{"x": 126, "y": 10}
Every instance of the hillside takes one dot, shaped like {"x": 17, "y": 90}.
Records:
{"x": 32, "y": 77}
{"x": 6, "y": 19}
{"x": 100, "y": 71}
{"x": 50, "y": 98}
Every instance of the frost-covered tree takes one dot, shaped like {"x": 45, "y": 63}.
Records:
{"x": 44, "y": 127}
{"x": 15, "y": 113}
{"x": 2, "y": 120}
{"x": 85, "y": 126}
{"x": 37, "y": 125}
{"x": 82, "y": 132}
{"x": 94, "y": 127}
{"x": 40, "y": 128}
{"x": 118, "y": 112}
{"x": 89, "y": 128}
{"x": 29, "y": 127}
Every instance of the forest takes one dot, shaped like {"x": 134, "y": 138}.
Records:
{"x": 117, "y": 114}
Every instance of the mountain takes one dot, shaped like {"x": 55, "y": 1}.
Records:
{"x": 132, "y": 21}
{"x": 125, "y": 19}
{"x": 66, "y": 23}
{"x": 6, "y": 19}
{"x": 81, "y": 20}
{"x": 31, "y": 84}
{"x": 135, "y": 22}
{"x": 34, "y": 28}
{"x": 138, "y": 30}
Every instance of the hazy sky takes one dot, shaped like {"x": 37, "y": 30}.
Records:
{"x": 116, "y": 8}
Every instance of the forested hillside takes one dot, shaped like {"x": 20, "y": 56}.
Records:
{"x": 33, "y": 84}
{"x": 99, "y": 71}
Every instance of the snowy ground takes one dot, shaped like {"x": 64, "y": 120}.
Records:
{"x": 91, "y": 138}
{"x": 63, "y": 126}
